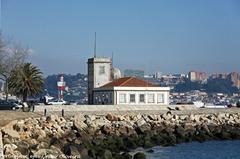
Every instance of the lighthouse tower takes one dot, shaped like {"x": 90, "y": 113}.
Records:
{"x": 61, "y": 87}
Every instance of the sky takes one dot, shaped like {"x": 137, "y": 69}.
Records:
{"x": 169, "y": 36}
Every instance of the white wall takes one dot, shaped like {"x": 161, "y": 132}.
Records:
{"x": 137, "y": 100}
{"x": 102, "y": 78}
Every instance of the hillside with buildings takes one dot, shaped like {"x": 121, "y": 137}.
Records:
{"x": 76, "y": 87}
{"x": 184, "y": 88}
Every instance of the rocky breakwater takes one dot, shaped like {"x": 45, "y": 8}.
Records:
{"x": 111, "y": 136}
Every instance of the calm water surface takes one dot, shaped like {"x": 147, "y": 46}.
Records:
{"x": 195, "y": 150}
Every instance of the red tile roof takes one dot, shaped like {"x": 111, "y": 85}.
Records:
{"x": 129, "y": 82}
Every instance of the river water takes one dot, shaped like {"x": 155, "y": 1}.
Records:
{"x": 195, "y": 150}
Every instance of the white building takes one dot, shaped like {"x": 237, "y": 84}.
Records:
{"x": 131, "y": 91}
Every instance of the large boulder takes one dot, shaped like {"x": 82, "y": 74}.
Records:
{"x": 90, "y": 117}
{"x": 11, "y": 152}
{"x": 111, "y": 117}
{"x": 107, "y": 154}
{"x": 167, "y": 116}
{"x": 107, "y": 130}
{"x": 140, "y": 122}
{"x": 25, "y": 135}
{"x": 52, "y": 118}
{"x": 42, "y": 145}
{"x": 19, "y": 126}
{"x": 10, "y": 132}
{"x": 71, "y": 150}
{"x": 39, "y": 134}
{"x": 143, "y": 128}
{"x": 23, "y": 147}
{"x": 154, "y": 117}
{"x": 6, "y": 141}
{"x": 180, "y": 131}
{"x": 10, "y": 146}
{"x": 45, "y": 152}
{"x": 78, "y": 122}
{"x": 100, "y": 122}
{"x": 139, "y": 155}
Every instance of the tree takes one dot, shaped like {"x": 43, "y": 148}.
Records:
{"x": 188, "y": 85}
{"x": 221, "y": 86}
{"x": 26, "y": 80}
{"x": 11, "y": 56}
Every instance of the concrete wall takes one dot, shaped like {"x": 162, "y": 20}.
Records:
{"x": 102, "y": 73}
{"x": 105, "y": 108}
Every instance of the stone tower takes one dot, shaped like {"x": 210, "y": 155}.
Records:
{"x": 99, "y": 74}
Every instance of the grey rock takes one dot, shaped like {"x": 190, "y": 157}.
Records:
{"x": 79, "y": 122}
{"x": 10, "y": 132}
{"x": 23, "y": 147}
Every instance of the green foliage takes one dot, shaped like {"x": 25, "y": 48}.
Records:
{"x": 188, "y": 85}
{"x": 220, "y": 86}
{"x": 26, "y": 80}
{"x": 139, "y": 155}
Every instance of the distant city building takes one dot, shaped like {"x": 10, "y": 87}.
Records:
{"x": 134, "y": 73}
{"x": 148, "y": 76}
{"x": 234, "y": 77}
{"x": 197, "y": 76}
{"x": 179, "y": 75}
{"x": 219, "y": 75}
{"x": 157, "y": 75}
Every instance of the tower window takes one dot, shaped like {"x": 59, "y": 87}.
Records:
{"x": 101, "y": 70}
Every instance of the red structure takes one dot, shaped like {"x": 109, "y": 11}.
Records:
{"x": 61, "y": 87}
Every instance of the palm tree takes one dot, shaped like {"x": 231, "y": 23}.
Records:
{"x": 26, "y": 80}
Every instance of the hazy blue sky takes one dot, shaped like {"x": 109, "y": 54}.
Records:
{"x": 170, "y": 36}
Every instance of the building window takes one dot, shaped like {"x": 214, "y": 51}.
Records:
{"x": 110, "y": 98}
{"x": 151, "y": 98}
{"x": 101, "y": 70}
{"x": 142, "y": 98}
{"x": 122, "y": 98}
{"x": 160, "y": 98}
{"x": 132, "y": 98}
{"x": 96, "y": 100}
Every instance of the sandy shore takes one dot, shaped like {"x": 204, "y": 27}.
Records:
{"x": 7, "y": 116}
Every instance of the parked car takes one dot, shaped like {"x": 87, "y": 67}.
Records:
{"x": 57, "y": 102}
{"x": 9, "y": 105}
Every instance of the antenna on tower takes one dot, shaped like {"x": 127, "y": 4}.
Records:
{"x": 95, "y": 55}
{"x": 112, "y": 58}
{"x": 112, "y": 73}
